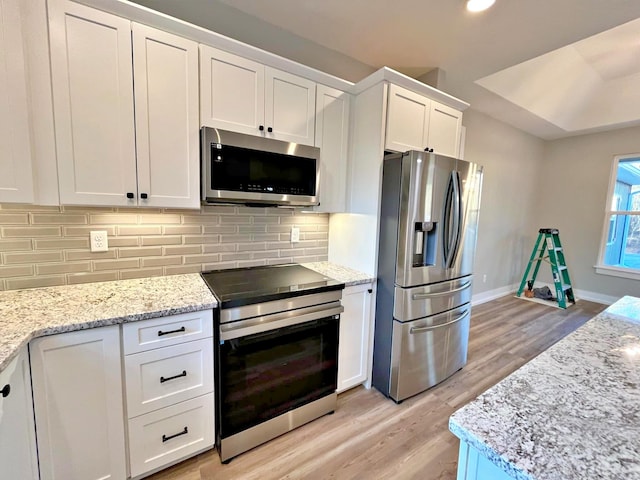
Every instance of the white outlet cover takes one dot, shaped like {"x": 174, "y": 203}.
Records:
{"x": 99, "y": 242}
{"x": 295, "y": 234}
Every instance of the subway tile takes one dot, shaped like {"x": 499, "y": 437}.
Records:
{"x": 232, "y": 257}
{"x": 2, "y": 285}
{"x": 234, "y": 219}
{"x": 139, "y": 230}
{"x": 278, "y": 245}
{"x": 220, "y": 229}
{"x": 251, "y": 247}
{"x": 279, "y": 261}
{"x": 278, "y": 228}
{"x": 181, "y": 229}
{"x": 265, "y": 237}
{"x": 251, "y": 263}
{"x": 219, "y": 248}
{"x": 295, "y": 219}
{"x": 60, "y": 243}
{"x": 182, "y": 250}
{"x": 63, "y": 268}
{"x": 218, "y": 266}
{"x": 200, "y": 219}
{"x": 113, "y": 218}
{"x": 34, "y": 282}
{"x": 139, "y": 252}
{"x": 14, "y": 218}
{"x": 265, "y": 219}
{"x": 206, "y": 258}
{"x": 123, "y": 241}
{"x": 161, "y": 240}
{"x": 273, "y": 254}
{"x": 21, "y": 207}
{"x": 233, "y": 238}
{"x": 315, "y": 251}
{"x": 252, "y": 228}
{"x": 87, "y": 255}
{"x": 138, "y": 210}
{"x": 179, "y": 269}
{"x": 253, "y": 211}
{"x": 15, "y": 245}
{"x": 141, "y": 273}
{"x": 16, "y": 271}
{"x": 161, "y": 261}
{"x": 58, "y": 219}
{"x": 200, "y": 239}
{"x": 315, "y": 235}
{"x": 75, "y": 278}
{"x": 33, "y": 257}
{"x": 116, "y": 264}
{"x": 10, "y": 232}
{"x": 279, "y": 212}
{"x": 305, "y": 258}
{"x": 180, "y": 211}
{"x": 219, "y": 209}
{"x": 162, "y": 218}
{"x": 84, "y": 231}
{"x": 77, "y": 209}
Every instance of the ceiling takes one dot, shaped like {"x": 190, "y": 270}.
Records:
{"x": 518, "y": 61}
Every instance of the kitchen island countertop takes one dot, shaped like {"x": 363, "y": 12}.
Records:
{"x": 36, "y": 312}
{"x": 345, "y": 275}
{"x": 571, "y": 413}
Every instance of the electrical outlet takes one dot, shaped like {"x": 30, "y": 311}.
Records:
{"x": 295, "y": 234}
{"x": 484, "y": 278}
{"x": 99, "y": 242}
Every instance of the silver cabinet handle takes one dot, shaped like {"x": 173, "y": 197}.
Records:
{"x": 426, "y": 329}
{"x": 422, "y": 296}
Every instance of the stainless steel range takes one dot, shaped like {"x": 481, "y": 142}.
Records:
{"x": 276, "y": 352}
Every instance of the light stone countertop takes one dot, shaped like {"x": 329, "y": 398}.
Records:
{"x": 26, "y": 314}
{"x": 571, "y": 413}
{"x": 345, "y": 275}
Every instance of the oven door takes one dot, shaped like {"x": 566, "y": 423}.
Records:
{"x": 270, "y": 365}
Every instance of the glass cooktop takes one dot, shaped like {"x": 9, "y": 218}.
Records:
{"x": 243, "y": 286}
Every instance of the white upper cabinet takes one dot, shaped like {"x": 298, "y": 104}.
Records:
{"x": 290, "y": 107}
{"x": 93, "y": 91}
{"x": 414, "y": 122}
{"x": 332, "y": 137}
{"x": 93, "y": 105}
{"x": 16, "y": 179}
{"x": 245, "y": 96}
{"x": 231, "y": 91}
{"x": 445, "y": 130}
{"x": 167, "y": 126}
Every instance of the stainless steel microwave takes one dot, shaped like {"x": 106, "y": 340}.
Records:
{"x": 240, "y": 168}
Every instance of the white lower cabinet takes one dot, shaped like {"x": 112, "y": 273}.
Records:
{"x": 169, "y": 389}
{"x": 168, "y": 435}
{"x": 77, "y": 394}
{"x": 18, "y": 457}
{"x": 353, "y": 347}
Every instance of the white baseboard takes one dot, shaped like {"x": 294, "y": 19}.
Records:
{"x": 489, "y": 295}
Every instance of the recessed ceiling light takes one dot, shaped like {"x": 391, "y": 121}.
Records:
{"x": 479, "y": 5}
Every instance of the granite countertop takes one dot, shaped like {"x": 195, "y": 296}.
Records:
{"x": 342, "y": 274}
{"x": 573, "y": 412}
{"x": 26, "y": 314}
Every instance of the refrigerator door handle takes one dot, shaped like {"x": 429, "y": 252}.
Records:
{"x": 422, "y": 296}
{"x": 457, "y": 219}
{"x": 446, "y": 222}
{"x": 414, "y": 330}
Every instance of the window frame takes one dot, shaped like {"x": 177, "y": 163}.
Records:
{"x": 600, "y": 267}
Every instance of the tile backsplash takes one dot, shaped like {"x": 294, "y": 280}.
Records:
{"x": 46, "y": 246}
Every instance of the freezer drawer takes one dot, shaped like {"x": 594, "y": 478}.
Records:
{"x": 427, "y": 351}
{"x": 418, "y": 302}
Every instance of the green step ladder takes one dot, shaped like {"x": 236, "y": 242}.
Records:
{"x": 549, "y": 242}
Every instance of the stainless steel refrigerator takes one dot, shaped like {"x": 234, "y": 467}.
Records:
{"x": 428, "y": 224}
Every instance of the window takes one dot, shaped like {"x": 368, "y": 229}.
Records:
{"x": 620, "y": 248}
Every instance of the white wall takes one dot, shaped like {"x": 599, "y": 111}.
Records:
{"x": 506, "y": 233}
{"x": 573, "y": 190}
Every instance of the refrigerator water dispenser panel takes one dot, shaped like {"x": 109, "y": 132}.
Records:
{"x": 424, "y": 254}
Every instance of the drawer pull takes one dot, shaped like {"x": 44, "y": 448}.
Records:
{"x": 6, "y": 390}
{"x": 183, "y": 374}
{"x": 181, "y": 329}
{"x": 166, "y": 438}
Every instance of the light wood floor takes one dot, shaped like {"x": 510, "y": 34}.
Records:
{"x": 371, "y": 437}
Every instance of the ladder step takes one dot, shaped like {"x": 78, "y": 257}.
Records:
{"x": 562, "y": 267}
{"x": 566, "y": 287}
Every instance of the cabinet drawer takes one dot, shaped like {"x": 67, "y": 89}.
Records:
{"x": 160, "y": 332}
{"x": 166, "y": 436}
{"x": 159, "y": 378}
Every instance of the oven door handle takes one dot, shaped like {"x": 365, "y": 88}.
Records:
{"x": 242, "y": 328}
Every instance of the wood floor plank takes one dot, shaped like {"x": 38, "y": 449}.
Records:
{"x": 370, "y": 437}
